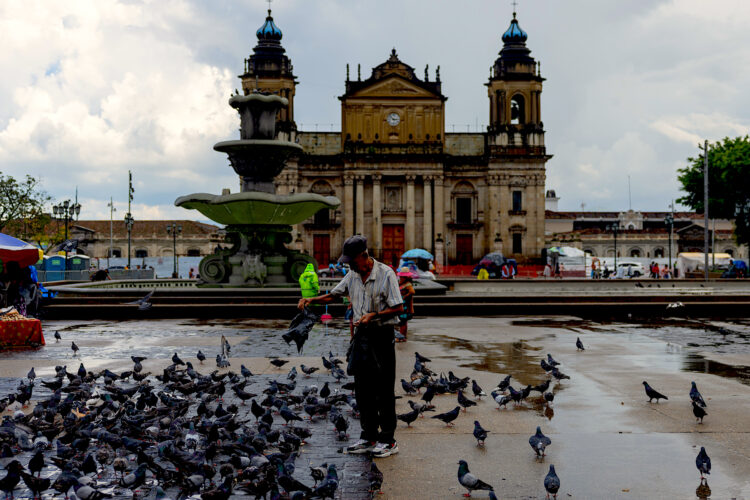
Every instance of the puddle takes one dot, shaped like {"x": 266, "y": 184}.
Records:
{"x": 696, "y": 363}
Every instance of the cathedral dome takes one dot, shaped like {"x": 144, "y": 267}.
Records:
{"x": 269, "y": 31}
{"x": 514, "y": 33}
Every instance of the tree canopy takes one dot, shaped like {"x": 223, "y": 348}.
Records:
{"x": 21, "y": 201}
{"x": 728, "y": 183}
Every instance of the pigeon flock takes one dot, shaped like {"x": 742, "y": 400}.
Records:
{"x": 143, "y": 435}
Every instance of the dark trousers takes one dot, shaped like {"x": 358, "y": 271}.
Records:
{"x": 373, "y": 387}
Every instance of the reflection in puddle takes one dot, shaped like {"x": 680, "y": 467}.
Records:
{"x": 696, "y": 363}
{"x": 519, "y": 359}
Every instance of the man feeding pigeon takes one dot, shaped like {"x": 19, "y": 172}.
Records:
{"x": 372, "y": 288}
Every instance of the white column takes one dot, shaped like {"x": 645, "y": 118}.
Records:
{"x": 409, "y": 236}
{"x": 348, "y": 214}
{"x": 427, "y": 218}
{"x": 439, "y": 208}
{"x": 377, "y": 222}
{"x": 360, "y": 205}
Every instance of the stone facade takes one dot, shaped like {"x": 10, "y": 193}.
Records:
{"x": 403, "y": 181}
{"x": 148, "y": 238}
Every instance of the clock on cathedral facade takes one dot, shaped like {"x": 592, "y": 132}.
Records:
{"x": 403, "y": 181}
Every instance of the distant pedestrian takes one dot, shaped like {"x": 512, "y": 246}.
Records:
{"x": 483, "y": 274}
{"x": 407, "y": 295}
{"x": 191, "y": 273}
{"x": 547, "y": 271}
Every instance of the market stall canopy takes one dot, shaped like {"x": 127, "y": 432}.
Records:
{"x": 15, "y": 250}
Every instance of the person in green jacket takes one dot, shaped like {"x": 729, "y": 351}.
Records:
{"x": 308, "y": 282}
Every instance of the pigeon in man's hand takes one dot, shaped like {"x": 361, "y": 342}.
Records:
{"x": 579, "y": 344}
{"x": 143, "y": 303}
{"x": 652, "y": 394}
{"x": 479, "y": 433}
{"x": 539, "y": 442}
{"x": 469, "y": 480}
{"x": 696, "y": 396}
{"x": 552, "y": 482}
{"x": 449, "y": 416}
{"x": 300, "y": 327}
{"x": 703, "y": 462}
{"x": 698, "y": 411}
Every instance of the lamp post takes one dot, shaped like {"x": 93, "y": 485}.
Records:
{"x": 65, "y": 212}
{"x": 615, "y": 228}
{"x": 128, "y": 217}
{"x": 669, "y": 221}
{"x": 174, "y": 229}
{"x": 112, "y": 210}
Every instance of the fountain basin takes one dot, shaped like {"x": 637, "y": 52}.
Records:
{"x": 258, "y": 161}
{"x": 254, "y": 207}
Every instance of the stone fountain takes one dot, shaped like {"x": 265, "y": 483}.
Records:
{"x": 258, "y": 221}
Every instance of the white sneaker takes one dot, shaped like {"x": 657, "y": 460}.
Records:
{"x": 361, "y": 446}
{"x": 383, "y": 450}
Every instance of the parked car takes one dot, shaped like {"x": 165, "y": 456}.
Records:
{"x": 630, "y": 269}
{"x": 333, "y": 270}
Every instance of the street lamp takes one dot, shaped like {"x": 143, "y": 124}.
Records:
{"x": 129, "y": 223}
{"x": 174, "y": 230}
{"x": 615, "y": 228}
{"x": 65, "y": 212}
{"x": 669, "y": 221}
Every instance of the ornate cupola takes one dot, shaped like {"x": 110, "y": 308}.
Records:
{"x": 515, "y": 88}
{"x": 269, "y": 70}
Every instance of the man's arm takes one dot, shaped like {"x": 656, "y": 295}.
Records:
{"x": 384, "y": 314}
{"x": 321, "y": 299}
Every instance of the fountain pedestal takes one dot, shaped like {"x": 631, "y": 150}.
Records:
{"x": 258, "y": 221}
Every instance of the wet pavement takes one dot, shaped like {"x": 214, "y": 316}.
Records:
{"x": 607, "y": 440}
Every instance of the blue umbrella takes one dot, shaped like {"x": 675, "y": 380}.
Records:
{"x": 417, "y": 253}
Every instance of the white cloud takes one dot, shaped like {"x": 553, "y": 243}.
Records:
{"x": 94, "y": 88}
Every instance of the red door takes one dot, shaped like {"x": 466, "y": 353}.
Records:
{"x": 393, "y": 243}
{"x": 322, "y": 249}
{"x": 464, "y": 249}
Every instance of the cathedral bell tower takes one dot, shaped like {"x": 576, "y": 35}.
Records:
{"x": 515, "y": 89}
{"x": 269, "y": 70}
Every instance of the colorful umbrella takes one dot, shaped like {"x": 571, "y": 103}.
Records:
{"x": 15, "y": 250}
{"x": 417, "y": 253}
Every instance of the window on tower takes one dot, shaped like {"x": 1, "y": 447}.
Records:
{"x": 517, "y": 110}
{"x": 517, "y": 201}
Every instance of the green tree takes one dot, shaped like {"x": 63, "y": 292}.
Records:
{"x": 20, "y": 200}
{"x": 728, "y": 183}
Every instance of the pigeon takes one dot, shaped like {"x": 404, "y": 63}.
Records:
{"x": 408, "y": 417}
{"x": 325, "y": 391}
{"x": 676, "y": 305}
{"x": 579, "y": 344}
{"x": 703, "y": 462}
{"x": 558, "y": 374}
{"x": 639, "y": 285}
{"x": 292, "y": 373}
{"x": 478, "y": 392}
{"x": 449, "y": 416}
{"x": 327, "y": 488}
{"x": 176, "y": 359}
{"x": 201, "y": 357}
{"x": 549, "y": 397}
{"x": 421, "y": 358}
{"x": 464, "y": 401}
{"x": 375, "y": 477}
{"x": 546, "y": 366}
{"x": 698, "y": 412}
{"x": 501, "y": 400}
{"x": 222, "y": 361}
{"x": 407, "y": 387}
{"x": 278, "y": 363}
{"x": 479, "y": 433}
{"x": 694, "y": 395}
{"x": 469, "y": 481}
{"x": 245, "y": 372}
{"x": 542, "y": 388}
{"x": 551, "y": 360}
{"x": 75, "y": 348}
{"x": 504, "y": 383}
{"x": 12, "y": 478}
{"x": 308, "y": 370}
{"x": 143, "y": 303}
{"x": 552, "y": 482}
{"x": 539, "y": 442}
{"x": 652, "y": 394}
{"x": 58, "y": 338}
{"x": 37, "y": 485}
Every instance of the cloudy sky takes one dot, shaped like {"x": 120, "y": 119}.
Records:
{"x": 92, "y": 89}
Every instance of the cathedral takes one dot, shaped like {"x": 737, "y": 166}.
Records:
{"x": 403, "y": 181}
